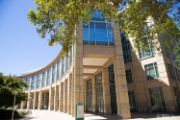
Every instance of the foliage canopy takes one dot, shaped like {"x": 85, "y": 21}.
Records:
{"x": 59, "y": 18}
{"x": 9, "y": 86}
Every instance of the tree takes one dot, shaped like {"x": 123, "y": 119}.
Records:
{"x": 10, "y": 85}
{"x": 59, "y": 18}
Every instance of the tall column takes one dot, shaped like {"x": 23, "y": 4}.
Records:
{"x": 120, "y": 79}
{"x": 61, "y": 97}
{"x": 29, "y": 94}
{"x": 40, "y": 100}
{"x": 50, "y": 90}
{"x": 72, "y": 94}
{"x": 28, "y": 101}
{"x": 64, "y": 96}
{"x": 93, "y": 94}
{"x": 69, "y": 94}
{"x": 34, "y": 100}
{"x": 50, "y": 98}
{"x": 55, "y": 90}
{"x": 78, "y": 68}
{"x": 85, "y": 97}
{"x": 40, "y": 93}
{"x": 55, "y": 98}
{"x": 60, "y": 78}
{"x": 60, "y": 107}
{"x": 106, "y": 91}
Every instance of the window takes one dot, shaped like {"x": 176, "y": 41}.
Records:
{"x": 129, "y": 76}
{"x": 171, "y": 71}
{"x": 44, "y": 75}
{"x": 66, "y": 64}
{"x": 98, "y": 31}
{"x": 70, "y": 56}
{"x": 28, "y": 82}
{"x": 39, "y": 77}
{"x": 97, "y": 16}
{"x": 89, "y": 96}
{"x": 177, "y": 96}
{"x": 48, "y": 76}
{"x": 126, "y": 48}
{"x": 58, "y": 70}
{"x": 157, "y": 99}
{"x": 146, "y": 52}
{"x": 99, "y": 94}
{"x": 63, "y": 67}
{"x": 53, "y": 73}
{"x": 31, "y": 82}
{"x": 132, "y": 102}
{"x": 112, "y": 87}
{"x": 177, "y": 73}
{"x": 34, "y": 79}
{"x": 151, "y": 71}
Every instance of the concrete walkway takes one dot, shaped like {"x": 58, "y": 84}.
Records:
{"x": 52, "y": 115}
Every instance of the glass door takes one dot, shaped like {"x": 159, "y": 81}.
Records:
{"x": 99, "y": 94}
{"x": 89, "y": 96}
{"x": 112, "y": 89}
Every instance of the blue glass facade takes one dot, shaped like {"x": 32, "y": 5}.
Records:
{"x": 27, "y": 82}
{"x": 34, "y": 78}
{"x": 98, "y": 31}
{"x": 63, "y": 67}
{"x": 58, "y": 70}
{"x": 39, "y": 78}
{"x": 53, "y": 73}
{"x": 48, "y": 76}
{"x": 44, "y": 76}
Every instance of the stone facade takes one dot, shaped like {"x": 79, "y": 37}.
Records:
{"x": 65, "y": 85}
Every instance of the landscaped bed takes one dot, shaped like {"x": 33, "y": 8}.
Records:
{"x": 6, "y": 114}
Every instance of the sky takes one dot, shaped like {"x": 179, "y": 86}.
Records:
{"x": 21, "y": 48}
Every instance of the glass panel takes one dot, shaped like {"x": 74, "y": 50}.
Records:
{"x": 62, "y": 68}
{"x": 112, "y": 89}
{"x": 44, "y": 79}
{"x": 92, "y": 34}
{"x": 38, "y": 80}
{"x": 177, "y": 96}
{"x": 58, "y": 70}
{"x": 126, "y": 48}
{"x": 147, "y": 52}
{"x": 89, "y": 96}
{"x": 129, "y": 76}
{"x": 171, "y": 71}
{"x": 97, "y": 16}
{"x": 53, "y": 73}
{"x": 34, "y": 79}
{"x": 86, "y": 34}
{"x": 48, "y": 76}
{"x": 152, "y": 71}
{"x": 101, "y": 34}
{"x": 99, "y": 93}
{"x": 98, "y": 32}
{"x": 132, "y": 101}
{"x": 157, "y": 100}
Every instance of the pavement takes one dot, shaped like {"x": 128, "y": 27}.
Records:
{"x": 55, "y": 115}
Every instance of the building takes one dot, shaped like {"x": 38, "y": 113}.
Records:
{"x": 103, "y": 73}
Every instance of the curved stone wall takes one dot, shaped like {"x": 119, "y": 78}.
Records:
{"x": 55, "y": 71}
